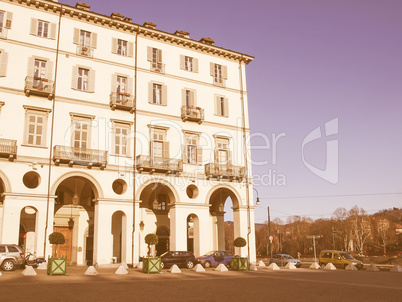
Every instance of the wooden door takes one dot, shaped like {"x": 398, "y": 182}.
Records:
{"x": 64, "y": 249}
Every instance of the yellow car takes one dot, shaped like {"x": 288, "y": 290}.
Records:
{"x": 339, "y": 259}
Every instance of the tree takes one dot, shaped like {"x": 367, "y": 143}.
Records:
{"x": 382, "y": 229}
{"x": 151, "y": 239}
{"x": 57, "y": 239}
{"x": 360, "y": 227}
{"x": 342, "y": 227}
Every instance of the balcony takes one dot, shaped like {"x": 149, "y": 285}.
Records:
{"x": 78, "y": 156}
{"x": 85, "y": 51}
{"x": 158, "y": 67}
{"x": 123, "y": 101}
{"x": 8, "y": 148}
{"x": 189, "y": 113}
{"x": 39, "y": 86}
{"x": 159, "y": 165}
{"x": 3, "y": 33}
{"x": 224, "y": 171}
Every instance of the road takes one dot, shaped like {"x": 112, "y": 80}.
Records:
{"x": 262, "y": 285}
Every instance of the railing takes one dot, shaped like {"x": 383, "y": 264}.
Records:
{"x": 227, "y": 171}
{"x": 38, "y": 86}
{"x": 192, "y": 114}
{"x": 3, "y": 33}
{"x": 158, "y": 164}
{"x": 79, "y": 156}
{"x": 123, "y": 101}
{"x": 8, "y": 148}
{"x": 158, "y": 67}
{"x": 86, "y": 51}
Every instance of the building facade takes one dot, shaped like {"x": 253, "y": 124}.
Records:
{"x": 110, "y": 130}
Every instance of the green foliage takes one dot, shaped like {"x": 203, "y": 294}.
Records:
{"x": 56, "y": 238}
{"x": 151, "y": 239}
{"x": 240, "y": 242}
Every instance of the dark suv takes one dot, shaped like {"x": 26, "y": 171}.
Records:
{"x": 183, "y": 259}
{"x": 11, "y": 256}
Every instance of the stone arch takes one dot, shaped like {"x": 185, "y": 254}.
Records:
{"x": 234, "y": 195}
{"x": 173, "y": 196}
{"x": 5, "y": 182}
{"x": 119, "y": 234}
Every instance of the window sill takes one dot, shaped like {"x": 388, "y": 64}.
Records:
{"x": 34, "y": 146}
{"x": 118, "y": 155}
{"x": 76, "y": 89}
{"x": 226, "y": 116}
{"x": 157, "y": 104}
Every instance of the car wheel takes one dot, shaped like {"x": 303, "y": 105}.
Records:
{"x": 162, "y": 265}
{"x": 207, "y": 264}
{"x": 8, "y": 265}
{"x": 190, "y": 264}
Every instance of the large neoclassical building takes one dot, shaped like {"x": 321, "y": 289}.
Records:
{"x": 110, "y": 130}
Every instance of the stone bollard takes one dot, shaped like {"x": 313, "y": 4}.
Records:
{"x": 121, "y": 270}
{"x": 175, "y": 269}
{"x": 330, "y": 267}
{"x": 29, "y": 271}
{"x": 198, "y": 268}
{"x": 91, "y": 271}
{"x": 273, "y": 267}
{"x": 314, "y": 265}
{"x": 221, "y": 268}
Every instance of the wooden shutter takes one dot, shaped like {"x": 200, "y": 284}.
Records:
{"x": 74, "y": 78}
{"x": 229, "y": 157}
{"x": 150, "y": 92}
{"x": 49, "y": 70}
{"x": 199, "y": 154}
{"x": 183, "y": 97}
{"x": 164, "y": 95}
{"x": 192, "y": 96}
{"x": 94, "y": 40}
{"x": 195, "y": 65}
{"x": 130, "y": 86}
{"x": 53, "y": 31}
{"x": 182, "y": 62}
{"x": 34, "y": 26}
{"x": 166, "y": 151}
{"x": 9, "y": 19}
{"x": 184, "y": 151}
{"x": 159, "y": 56}
{"x": 114, "y": 83}
{"x": 76, "y": 39}
{"x": 130, "y": 50}
{"x": 151, "y": 146}
{"x": 31, "y": 64}
{"x": 91, "y": 87}
{"x": 225, "y": 107}
{"x": 149, "y": 53}
{"x": 225, "y": 72}
{"x": 3, "y": 63}
{"x": 218, "y": 105}
{"x": 114, "y": 45}
{"x": 212, "y": 69}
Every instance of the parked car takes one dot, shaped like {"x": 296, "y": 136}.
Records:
{"x": 339, "y": 259}
{"x": 11, "y": 256}
{"x": 214, "y": 258}
{"x": 283, "y": 259}
{"x": 180, "y": 258}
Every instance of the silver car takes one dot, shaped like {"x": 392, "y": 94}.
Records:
{"x": 283, "y": 259}
{"x": 11, "y": 256}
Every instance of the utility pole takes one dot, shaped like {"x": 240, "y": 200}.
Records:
{"x": 269, "y": 233}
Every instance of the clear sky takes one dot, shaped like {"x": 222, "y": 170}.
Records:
{"x": 316, "y": 61}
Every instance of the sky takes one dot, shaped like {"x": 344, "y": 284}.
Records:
{"x": 324, "y": 93}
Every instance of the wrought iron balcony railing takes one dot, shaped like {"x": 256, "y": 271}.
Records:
{"x": 123, "y": 101}
{"x": 189, "y": 113}
{"x": 158, "y": 164}
{"x": 86, "y": 51}
{"x": 8, "y": 148}
{"x": 224, "y": 171}
{"x": 78, "y": 156}
{"x": 39, "y": 86}
{"x": 158, "y": 67}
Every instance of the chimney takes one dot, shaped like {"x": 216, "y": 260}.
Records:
{"x": 150, "y": 25}
{"x": 208, "y": 41}
{"x": 182, "y": 34}
{"x": 117, "y": 16}
{"x": 82, "y": 6}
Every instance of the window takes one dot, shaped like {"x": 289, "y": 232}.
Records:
{"x": 5, "y": 22}
{"x": 83, "y": 75}
{"x": 83, "y": 79}
{"x": 121, "y": 88}
{"x": 192, "y": 152}
{"x": 39, "y": 73}
{"x": 219, "y": 74}
{"x": 80, "y": 131}
{"x": 43, "y": 29}
{"x": 85, "y": 38}
{"x": 159, "y": 145}
{"x": 3, "y": 63}
{"x": 222, "y": 152}
{"x": 35, "y": 126}
{"x": 86, "y": 41}
{"x": 221, "y": 106}
{"x": 122, "y": 47}
{"x": 155, "y": 57}
{"x": 188, "y": 63}
{"x": 157, "y": 94}
{"x": 162, "y": 205}
{"x": 121, "y": 137}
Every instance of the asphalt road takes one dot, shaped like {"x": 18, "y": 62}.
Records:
{"x": 262, "y": 285}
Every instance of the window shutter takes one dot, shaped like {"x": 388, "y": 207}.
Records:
{"x": 195, "y": 65}
{"x": 216, "y": 156}
{"x": 76, "y": 36}
{"x": 150, "y": 92}
{"x": 212, "y": 68}
{"x": 53, "y": 31}
{"x": 49, "y": 70}
{"x": 182, "y": 63}
{"x": 130, "y": 46}
{"x": 149, "y": 53}
{"x": 130, "y": 86}
{"x": 192, "y": 96}
{"x": 91, "y": 80}
{"x": 217, "y": 106}
{"x": 229, "y": 157}
{"x": 74, "y": 78}
{"x": 34, "y": 26}
{"x": 199, "y": 155}
{"x": 114, "y": 45}
{"x": 159, "y": 56}
{"x": 9, "y": 19}
{"x": 225, "y": 107}
{"x": 3, "y": 63}
{"x": 164, "y": 95}
{"x": 184, "y": 152}
{"x": 114, "y": 83}
{"x": 225, "y": 72}
{"x": 94, "y": 40}
{"x": 166, "y": 150}
{"x": 31, "y": 63}
{"x": 151, "y": 146}
{"x": 183, "y": 97}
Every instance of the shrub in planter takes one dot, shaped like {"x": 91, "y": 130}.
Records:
{"x": 151, "y": 264}
{"x": 239, "y": 263}
{"x": 56, "y": 265}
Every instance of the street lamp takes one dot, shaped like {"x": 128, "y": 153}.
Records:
{"x": 257, "y": 202}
